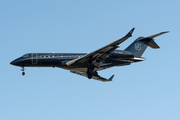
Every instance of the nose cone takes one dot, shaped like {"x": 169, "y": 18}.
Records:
{"x": 14, "y": 62}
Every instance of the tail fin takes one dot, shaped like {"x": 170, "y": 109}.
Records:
{"x": 139, "y": 45}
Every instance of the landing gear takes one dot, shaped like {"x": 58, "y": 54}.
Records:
{"x": 89, "y": 75}
{"x": 23, "y": 73}
{"x": 90, "y": 71}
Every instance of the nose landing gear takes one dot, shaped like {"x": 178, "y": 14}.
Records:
{"x": 23, "y": 73}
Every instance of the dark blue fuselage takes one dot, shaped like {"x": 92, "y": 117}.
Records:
{"x": 115, "y": 58}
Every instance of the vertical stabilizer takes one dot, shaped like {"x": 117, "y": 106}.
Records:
{"x": 137, "y": 47}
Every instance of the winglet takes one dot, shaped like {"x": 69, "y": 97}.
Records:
{"x": 130, "y": 33}
{"x": 110, "y": 79}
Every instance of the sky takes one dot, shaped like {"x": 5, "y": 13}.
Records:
{"x": 147, "y": 90}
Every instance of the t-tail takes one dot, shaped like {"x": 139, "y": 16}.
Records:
{"x": 140, "y": 44}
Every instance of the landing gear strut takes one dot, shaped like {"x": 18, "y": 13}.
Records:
{"x": 90, "y": 71}
{"x": 23, "y": 73}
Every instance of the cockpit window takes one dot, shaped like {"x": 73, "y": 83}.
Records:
{"x": 26, "y": 55}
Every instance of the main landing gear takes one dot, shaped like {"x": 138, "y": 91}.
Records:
{"x": 23, "y": 73}
{"x": 90, "y": 71}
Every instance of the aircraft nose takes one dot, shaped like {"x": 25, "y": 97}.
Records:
{"x": 14, "y": 62}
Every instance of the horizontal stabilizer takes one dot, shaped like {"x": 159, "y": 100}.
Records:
{"x": 152, "y": 44}
{"x": 96, "y": 76}
{"x": 150, "y": 41}
{"x": 153, "y": 36}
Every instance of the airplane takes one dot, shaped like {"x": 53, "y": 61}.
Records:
{"x": 87, "y": 64}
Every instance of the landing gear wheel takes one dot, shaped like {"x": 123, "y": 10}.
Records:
{"x": 89, "y": 75}
{"x": 23, "y": 73}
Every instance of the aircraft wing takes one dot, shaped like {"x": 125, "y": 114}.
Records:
{"x": 96, "y": 76}
{"x": 101, "y": 53}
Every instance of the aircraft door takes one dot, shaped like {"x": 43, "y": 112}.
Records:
{"x": 34, "y": 58}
